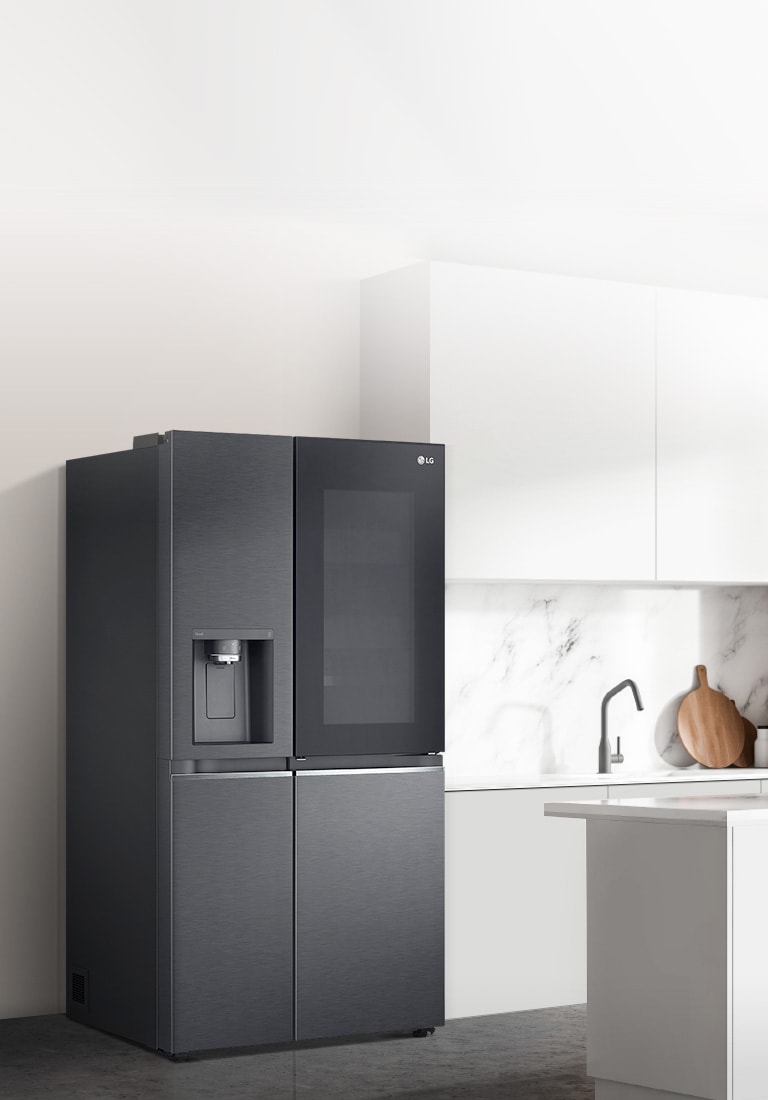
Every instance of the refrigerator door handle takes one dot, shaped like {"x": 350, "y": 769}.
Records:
{"x": 371, "y": 771}
{"x": 231, "y": 775}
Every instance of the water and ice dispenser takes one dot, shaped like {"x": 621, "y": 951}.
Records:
{"x": 233, "y": 686}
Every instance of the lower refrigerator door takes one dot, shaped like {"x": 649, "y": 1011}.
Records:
{"x": 369, "y": 901}
{"x": 232, "y": 950}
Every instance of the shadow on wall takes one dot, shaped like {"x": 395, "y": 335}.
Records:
{"x": 734, "y": 629}
{"x": 32, "y": 741}
{"x": 733, "y": 646}
{"x": 666, "y": 738}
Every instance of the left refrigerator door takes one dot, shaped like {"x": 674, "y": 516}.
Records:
{"x": 232, "y": 910}
{"x": 226, "y": 512}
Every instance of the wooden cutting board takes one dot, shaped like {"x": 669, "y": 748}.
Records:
{"x": 710, "y": 726}
{"x": 746, "y": 759}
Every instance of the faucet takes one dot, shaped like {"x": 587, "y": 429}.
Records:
{"x": 604, "y": 755}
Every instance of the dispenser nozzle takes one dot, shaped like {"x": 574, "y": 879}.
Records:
{"x": 224, "y": 651}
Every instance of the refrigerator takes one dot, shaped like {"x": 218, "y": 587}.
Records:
{"x": 255, "y": 722}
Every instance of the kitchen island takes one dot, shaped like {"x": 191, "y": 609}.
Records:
{"x": 677, "y": 946}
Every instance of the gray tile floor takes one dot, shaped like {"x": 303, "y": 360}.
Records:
{"x": 523, "y": 1055}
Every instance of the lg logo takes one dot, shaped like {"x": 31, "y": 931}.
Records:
{"x": 422, "y": 461}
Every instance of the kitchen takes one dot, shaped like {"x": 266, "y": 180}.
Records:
{"x": 134, "y": 261}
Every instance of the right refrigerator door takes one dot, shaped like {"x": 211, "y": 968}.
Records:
{"x": 369, "y": 598}
{"x": 369, "y": 902}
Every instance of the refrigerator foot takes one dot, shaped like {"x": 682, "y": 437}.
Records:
{"x": 182, "y": 1057}
{"x": 423, "y": 1032}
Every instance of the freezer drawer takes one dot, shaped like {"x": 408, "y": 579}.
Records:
{"x": 232, "y": 910}
{"x": 369, "y": 902}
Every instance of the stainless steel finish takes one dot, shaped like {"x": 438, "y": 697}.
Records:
{"x": 295, "y": 915}
{"x": 604, "y": 755}
{"x": 165, "y": 611}
{"x": 231, "y": 775}
{"x": 232, "y": 566}
{"x": 210, "y": 633}
{"x": 164, "y": 945}
{"x": 224, "y": 651}
{"x": 371, "y": 771}
{"x": 189, "y": 904}
{"x": 112, "y": 703}
{"x": 232, "y": 912}
{"x": 163, "y": 793}
{"x": 369, "y": 902}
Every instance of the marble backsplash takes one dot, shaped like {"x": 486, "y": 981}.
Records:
{"x": 527, "y": 667}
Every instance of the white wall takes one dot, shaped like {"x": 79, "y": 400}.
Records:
{"x": 190, "y": 191}
{"x": 114, "y": 327}
{"x": 121, "y": 319}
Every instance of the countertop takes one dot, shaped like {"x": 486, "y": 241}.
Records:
{"x": 694, "y": 774}
{"x": 722, "y": 810}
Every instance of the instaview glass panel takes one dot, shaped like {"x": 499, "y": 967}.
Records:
{"x": 368, "y": 607}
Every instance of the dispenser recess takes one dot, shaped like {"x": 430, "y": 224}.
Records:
{"x": 233, "y": 674}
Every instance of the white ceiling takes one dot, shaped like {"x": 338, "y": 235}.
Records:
{"x": 595, "y": 135}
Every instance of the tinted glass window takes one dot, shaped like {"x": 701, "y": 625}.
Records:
{"x": 368, "y": 607}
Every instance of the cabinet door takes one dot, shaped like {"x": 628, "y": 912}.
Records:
{"x": 749, "y": 967}
{"x": 712, "y": 403}
{"x": 542, "y": 388}
{"x": 516, "y": 893}
{"x": 232, "y": 910}
{"x": 369, "y": 902}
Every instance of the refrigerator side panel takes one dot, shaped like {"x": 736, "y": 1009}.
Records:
{"x": 232, "y": 563}
{"x": 111, "y": 742}
{"x": 164, "y": 603}
{"x": 164, "y": 723}
{"x": 164, "y": 903}
{"x": 232, "y": 910}
{"x": 369, "y": 902}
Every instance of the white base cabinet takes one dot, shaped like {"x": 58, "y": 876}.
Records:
{"x": 516, "y": 894}
{"x": 659, "y": 937}
{"x": 677, "y": 979}
{"x": 515, "y": 912}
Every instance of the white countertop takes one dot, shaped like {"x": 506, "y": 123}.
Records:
{"x": 694, "y": 774}
{"x": 722, "y": 810}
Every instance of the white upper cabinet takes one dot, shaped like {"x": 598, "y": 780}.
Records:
{"x": 542, "y": 389}
{"x": 712, "y": 428}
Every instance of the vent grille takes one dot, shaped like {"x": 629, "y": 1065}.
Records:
{"x": 79, "y": 987}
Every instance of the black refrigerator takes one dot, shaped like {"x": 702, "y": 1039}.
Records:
{"x": 255, "y": 717}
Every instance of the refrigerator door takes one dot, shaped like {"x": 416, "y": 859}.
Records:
{"x": 227, "y": 533}
{"x": 369, "y": 597}
{"x": 232, "y": 910}
{"x": 369, "y": 902}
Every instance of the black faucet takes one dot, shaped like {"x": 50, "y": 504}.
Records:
{"x": 604, "y": 754}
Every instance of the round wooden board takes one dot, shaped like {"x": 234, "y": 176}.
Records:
{"x": 710, "y": 726}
